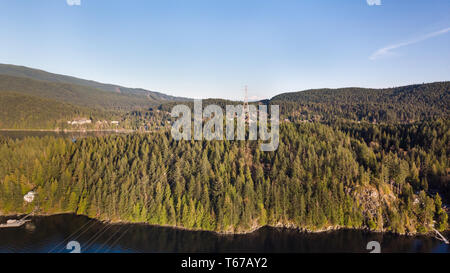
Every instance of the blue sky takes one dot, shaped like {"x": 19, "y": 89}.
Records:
{"x": 213, "y": 48}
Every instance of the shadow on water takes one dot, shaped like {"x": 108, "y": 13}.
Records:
{"x": 52, "y": 233}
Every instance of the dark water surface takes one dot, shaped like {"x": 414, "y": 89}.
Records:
{"x": 52, "y": 233}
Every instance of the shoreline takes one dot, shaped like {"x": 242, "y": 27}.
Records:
{"x": 83, "y": 131}
{"x": 72, "y": 130}
{"x": 227, "y": 233}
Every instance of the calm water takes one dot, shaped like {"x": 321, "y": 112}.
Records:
{"x": 52, "y": 233}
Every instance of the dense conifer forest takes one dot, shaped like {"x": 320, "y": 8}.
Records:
{"x": 404, "y": 104}
{"x": 376, "y": 159}
{"x": 320, "y": 177}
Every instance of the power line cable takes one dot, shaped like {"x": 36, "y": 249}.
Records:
{"x": 73, "y": 234}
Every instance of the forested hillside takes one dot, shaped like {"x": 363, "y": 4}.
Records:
{"x": 393, "y": 105}
{"x": 401, "y": 104}
{"x": 318, "y": 178}
{"x": 20, "y": 111}
{"x": 36, "y": 99}
{"x": 355, "y": 158}
{"x": 31, "y": 104}
{"x": 74, "y": 94}
{"x": 167, "y": 107}
{"x": 36, "y": 74}
{"x": 426, "y": 146}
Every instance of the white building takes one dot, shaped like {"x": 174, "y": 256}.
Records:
{"x": 80, "y": 121}
{"x": 29, "y": 197}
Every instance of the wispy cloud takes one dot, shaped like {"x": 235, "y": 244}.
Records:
{"x": 73, "y": 2}
{"x": 373, "y": 2}
{"x": 388, "y": 49}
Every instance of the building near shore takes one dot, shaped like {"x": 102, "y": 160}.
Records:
{"x": 29, "y": 197}
{"x": 80, "y": 121}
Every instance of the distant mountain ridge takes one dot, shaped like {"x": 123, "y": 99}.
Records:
{"x": 76, "y": 94}
{"x": 358, "y": 94}
{"x": 403, "y": 104}
{"x": 35, "y": 99}
{"x": 41, "y": 75}
{"x": 398, "y": 104}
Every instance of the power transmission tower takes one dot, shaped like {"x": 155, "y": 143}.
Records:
{"x": 245, "y": 107}
{"x": 246, "y": 112}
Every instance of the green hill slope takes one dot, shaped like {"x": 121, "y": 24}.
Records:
{"x": 400, "y": 104}
{"x": 36, "y": 74}
{"x": 75, "y": 94}
{"x": 21, "y": 111}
